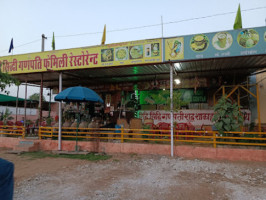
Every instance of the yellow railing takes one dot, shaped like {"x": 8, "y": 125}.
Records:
{"x": 160, "y": 136}
{"x": 12, "y": 130}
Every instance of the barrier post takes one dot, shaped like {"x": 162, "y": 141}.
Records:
{"x": 23, "y": 132}
{"x": 39, "y": 133}
{"x": 214, "y": 139}
{"x": 122, "y": 134}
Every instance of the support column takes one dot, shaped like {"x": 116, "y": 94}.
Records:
{"x": 171, "y": 109}
{"x": 50, "y": 98}
{"x": 17, "y": 104}
{"x": 60, "y": 115}
{"x": 258, "y": 106}
{"x": 25, "y": 104}
{"x": 40, "y": 101}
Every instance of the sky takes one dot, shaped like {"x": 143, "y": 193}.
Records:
{"x": 80, "y": 23}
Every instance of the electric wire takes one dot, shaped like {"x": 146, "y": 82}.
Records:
{"x": 146, "y": 26}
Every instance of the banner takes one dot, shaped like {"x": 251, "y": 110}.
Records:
{"x": 152, "y": 97}
{"x": 119, "y": 54}
{"x": 241, "y": 42}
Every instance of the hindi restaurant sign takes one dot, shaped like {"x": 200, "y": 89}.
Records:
{"x": 194, "y": 117}
{"x": 127, "y": 53}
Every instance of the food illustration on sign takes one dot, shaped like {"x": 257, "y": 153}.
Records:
{"x": 248, "y": 38}
{"x": 222, "y": 40}
{"x": 136, "y": 52}
{"x": 199, "y": 43}
{"x": 155, "y": 49}
{"x": 174, "y": 48}
{"x": 107, "y": 55}
{"x": 265, "y": 36}
{"x": 121, "y": 53}
{"x": 147, "y": 50}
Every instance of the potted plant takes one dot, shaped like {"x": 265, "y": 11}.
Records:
{"x": 227, "y": 116}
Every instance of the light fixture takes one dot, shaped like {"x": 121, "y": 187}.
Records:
{"x": 177, "y": 66}
{"x": 177, "y": 81}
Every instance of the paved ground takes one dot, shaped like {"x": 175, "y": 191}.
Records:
{"x": 136, "y": 177}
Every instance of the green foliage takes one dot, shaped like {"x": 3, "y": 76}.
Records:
{"x": 6, "y": 80}
{"x": 227, "y": 116}
{"x": 6, "y": 116}
{"x": 36, "y": 97}
{"x": 177, "y": 101}
{"x": 49, "y": 121}
{"x": 90, "y": 156}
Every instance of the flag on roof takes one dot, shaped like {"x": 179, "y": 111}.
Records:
{"x": 238, "y": 20}
{"x": 11, "y": 46}
{"x": 104, "y": 35}
{"x": 53, "y": 42}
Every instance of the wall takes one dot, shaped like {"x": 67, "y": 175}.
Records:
{"x": 186, "y": 151}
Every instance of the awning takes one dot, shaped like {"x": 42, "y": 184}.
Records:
{"x": 228, "y": 67}
{"x": 6, "y": 98}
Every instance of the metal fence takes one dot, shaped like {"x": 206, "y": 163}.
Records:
{"x": 213, "y": 138}
{"x": 12, "y": 131}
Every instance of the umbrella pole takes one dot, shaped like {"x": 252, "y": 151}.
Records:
{"x": 76, "y": 147}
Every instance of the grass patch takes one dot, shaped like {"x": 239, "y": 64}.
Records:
{"x": 90, "y": 156}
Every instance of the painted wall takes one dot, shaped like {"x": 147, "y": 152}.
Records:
{"x": 157, "y": 149}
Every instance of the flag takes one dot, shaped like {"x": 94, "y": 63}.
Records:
{"x": 238, "y": 20}
{"x": 53, "y": 42}
{"x": 11, "y": 46}
{"x": 104, "y": 35}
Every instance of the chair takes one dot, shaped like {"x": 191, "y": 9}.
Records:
{"x": 135, "y": 123}
{"x": 123, "y": 122}
{"x": 9, "y": 123}
{"x": 163, "y": 126}
{"x": 43, "y": 123}
{"x": 190, "y": 127}
{"x": 206, "y": 128}
{"x": 181, "y": 126}
{"x": 18, "y": 123}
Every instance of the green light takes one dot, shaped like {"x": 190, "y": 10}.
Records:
{"x": 135, "y": 70}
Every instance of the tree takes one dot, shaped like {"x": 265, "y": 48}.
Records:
{"x": 6, "y": 80}
{"x": 36, "y": 97}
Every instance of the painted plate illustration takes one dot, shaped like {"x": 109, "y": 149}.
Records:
{"x": 121, "y": 53}
{"x": 222, "y": 40}
{"x": 107, "y": 55}
{"x": 199, "y": 43}
{"x": 136, "y": 52}
{"x": 248, "y": 38}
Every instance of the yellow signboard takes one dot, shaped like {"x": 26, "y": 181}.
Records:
{"x": 174, "y": 48}
{"x": 127, "y": 53}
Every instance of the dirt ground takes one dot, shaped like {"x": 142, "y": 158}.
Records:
{"x": 136, "y": 177}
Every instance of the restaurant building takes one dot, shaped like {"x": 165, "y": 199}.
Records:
{"x": 133, "y": 78}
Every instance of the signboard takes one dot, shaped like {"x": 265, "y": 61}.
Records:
{"x": 127, "y": 53}
{"x": 193, "y": 117}
{"x": 240, "y": 42}
{"x": 152, "y": 97}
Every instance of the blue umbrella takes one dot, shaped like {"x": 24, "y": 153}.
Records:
{"x": 78, "y": 94}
